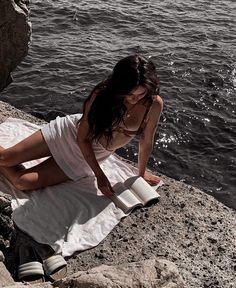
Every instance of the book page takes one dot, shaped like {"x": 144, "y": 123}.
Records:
{"x": 142, "y": 189}
{"x": 128, "y": 199}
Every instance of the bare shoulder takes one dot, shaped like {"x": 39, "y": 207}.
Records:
{"x": 154, "y": 115}
{"x": 158, "y": 102}
{"x": 157, "y": 107}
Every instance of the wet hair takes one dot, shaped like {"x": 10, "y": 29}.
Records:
{"x": 108, "y": 109}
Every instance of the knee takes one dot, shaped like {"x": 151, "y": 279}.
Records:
{"x": 2, "y": 157}
{"x": 23, "y": 184}
{"x": 5, "y": 160}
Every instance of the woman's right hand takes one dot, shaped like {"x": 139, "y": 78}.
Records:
{"x": 104, "y": 185}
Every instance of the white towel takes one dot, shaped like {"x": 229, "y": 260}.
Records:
{"x": 71, "y": 216}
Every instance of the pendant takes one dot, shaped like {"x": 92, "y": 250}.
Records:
{"x": 128, "y": 111}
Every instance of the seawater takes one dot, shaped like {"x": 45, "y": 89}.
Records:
{"x": 193, "y": 44}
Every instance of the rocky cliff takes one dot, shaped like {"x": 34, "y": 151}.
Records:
{"x": 15, "y": 32}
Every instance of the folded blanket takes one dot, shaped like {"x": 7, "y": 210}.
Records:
{"x": 71, "y": 216}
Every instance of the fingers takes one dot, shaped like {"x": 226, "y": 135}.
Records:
{"x": 107, "y": 191}
{"x": 105, "y": 186}
{"x": 153, "y": 183}
{"x": 152, "y": 179}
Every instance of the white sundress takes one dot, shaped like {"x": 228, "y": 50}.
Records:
{"x": 60, "y": 135}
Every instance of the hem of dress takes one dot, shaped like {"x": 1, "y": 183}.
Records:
{"x": 46, "y": 131}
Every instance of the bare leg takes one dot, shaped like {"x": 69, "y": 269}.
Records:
{"x": 44, "y": 174}
{"x": 32, "y": 147}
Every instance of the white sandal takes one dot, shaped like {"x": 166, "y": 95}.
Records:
{"x": 55, "y": 267}
{"x": 31, "y": 272}
{"x": 29, "y": 269}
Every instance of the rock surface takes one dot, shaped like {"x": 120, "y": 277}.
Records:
{"x": 2, "y": 258}
{"x": 187, "y": 227}
{"x": 6, "y": 223}
{"x": 15, "y": 31}
{"x": 5, "y": 277}
{"x": 158, "y": 273}
{"x": 148, "y": 273}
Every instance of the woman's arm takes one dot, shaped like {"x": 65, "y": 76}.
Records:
{"x": 147, "y": 139}
{"x": 85, "y": 145}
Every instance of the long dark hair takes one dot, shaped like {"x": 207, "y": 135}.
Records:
{"x": 108, "y": 109}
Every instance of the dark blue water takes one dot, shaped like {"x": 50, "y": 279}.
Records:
{"x": 193, "y": 44}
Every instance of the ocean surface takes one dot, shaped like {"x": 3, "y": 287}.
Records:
{"x": 75, "y": 44}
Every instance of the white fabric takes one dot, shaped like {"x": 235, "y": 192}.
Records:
{"x": 60, "y": 135}
{"x": 72, "y": 216}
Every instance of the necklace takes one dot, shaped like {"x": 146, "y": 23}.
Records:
{"x": 128, "y": 111}
{"x": 127, "y": 114}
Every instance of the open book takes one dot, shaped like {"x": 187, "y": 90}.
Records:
{"x": 134, "y": 192}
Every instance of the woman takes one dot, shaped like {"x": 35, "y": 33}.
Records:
{"x": 122, "y": 106}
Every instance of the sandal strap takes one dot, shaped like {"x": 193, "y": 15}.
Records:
{"x": 52, "y": 263}
{"x": 30, "y": 268}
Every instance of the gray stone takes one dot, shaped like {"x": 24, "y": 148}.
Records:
{"x": 148, "y": 273}
{"x": 6, "y": 222}
{"x": 2, "y": 258}
{"x": 15, "y": 32}
{"x": 28, "y": 285}
{"x": 5, "y": 276}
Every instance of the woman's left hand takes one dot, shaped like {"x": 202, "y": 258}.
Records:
{"x": 151, "y": 179}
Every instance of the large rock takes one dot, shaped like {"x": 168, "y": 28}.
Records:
{"x": 148, "y": 273}
{"x": 2, "y": 258}
{"x": 15, "y": 32}
{"x": 6, "y": 222}
{"x": 5, "y": 277}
